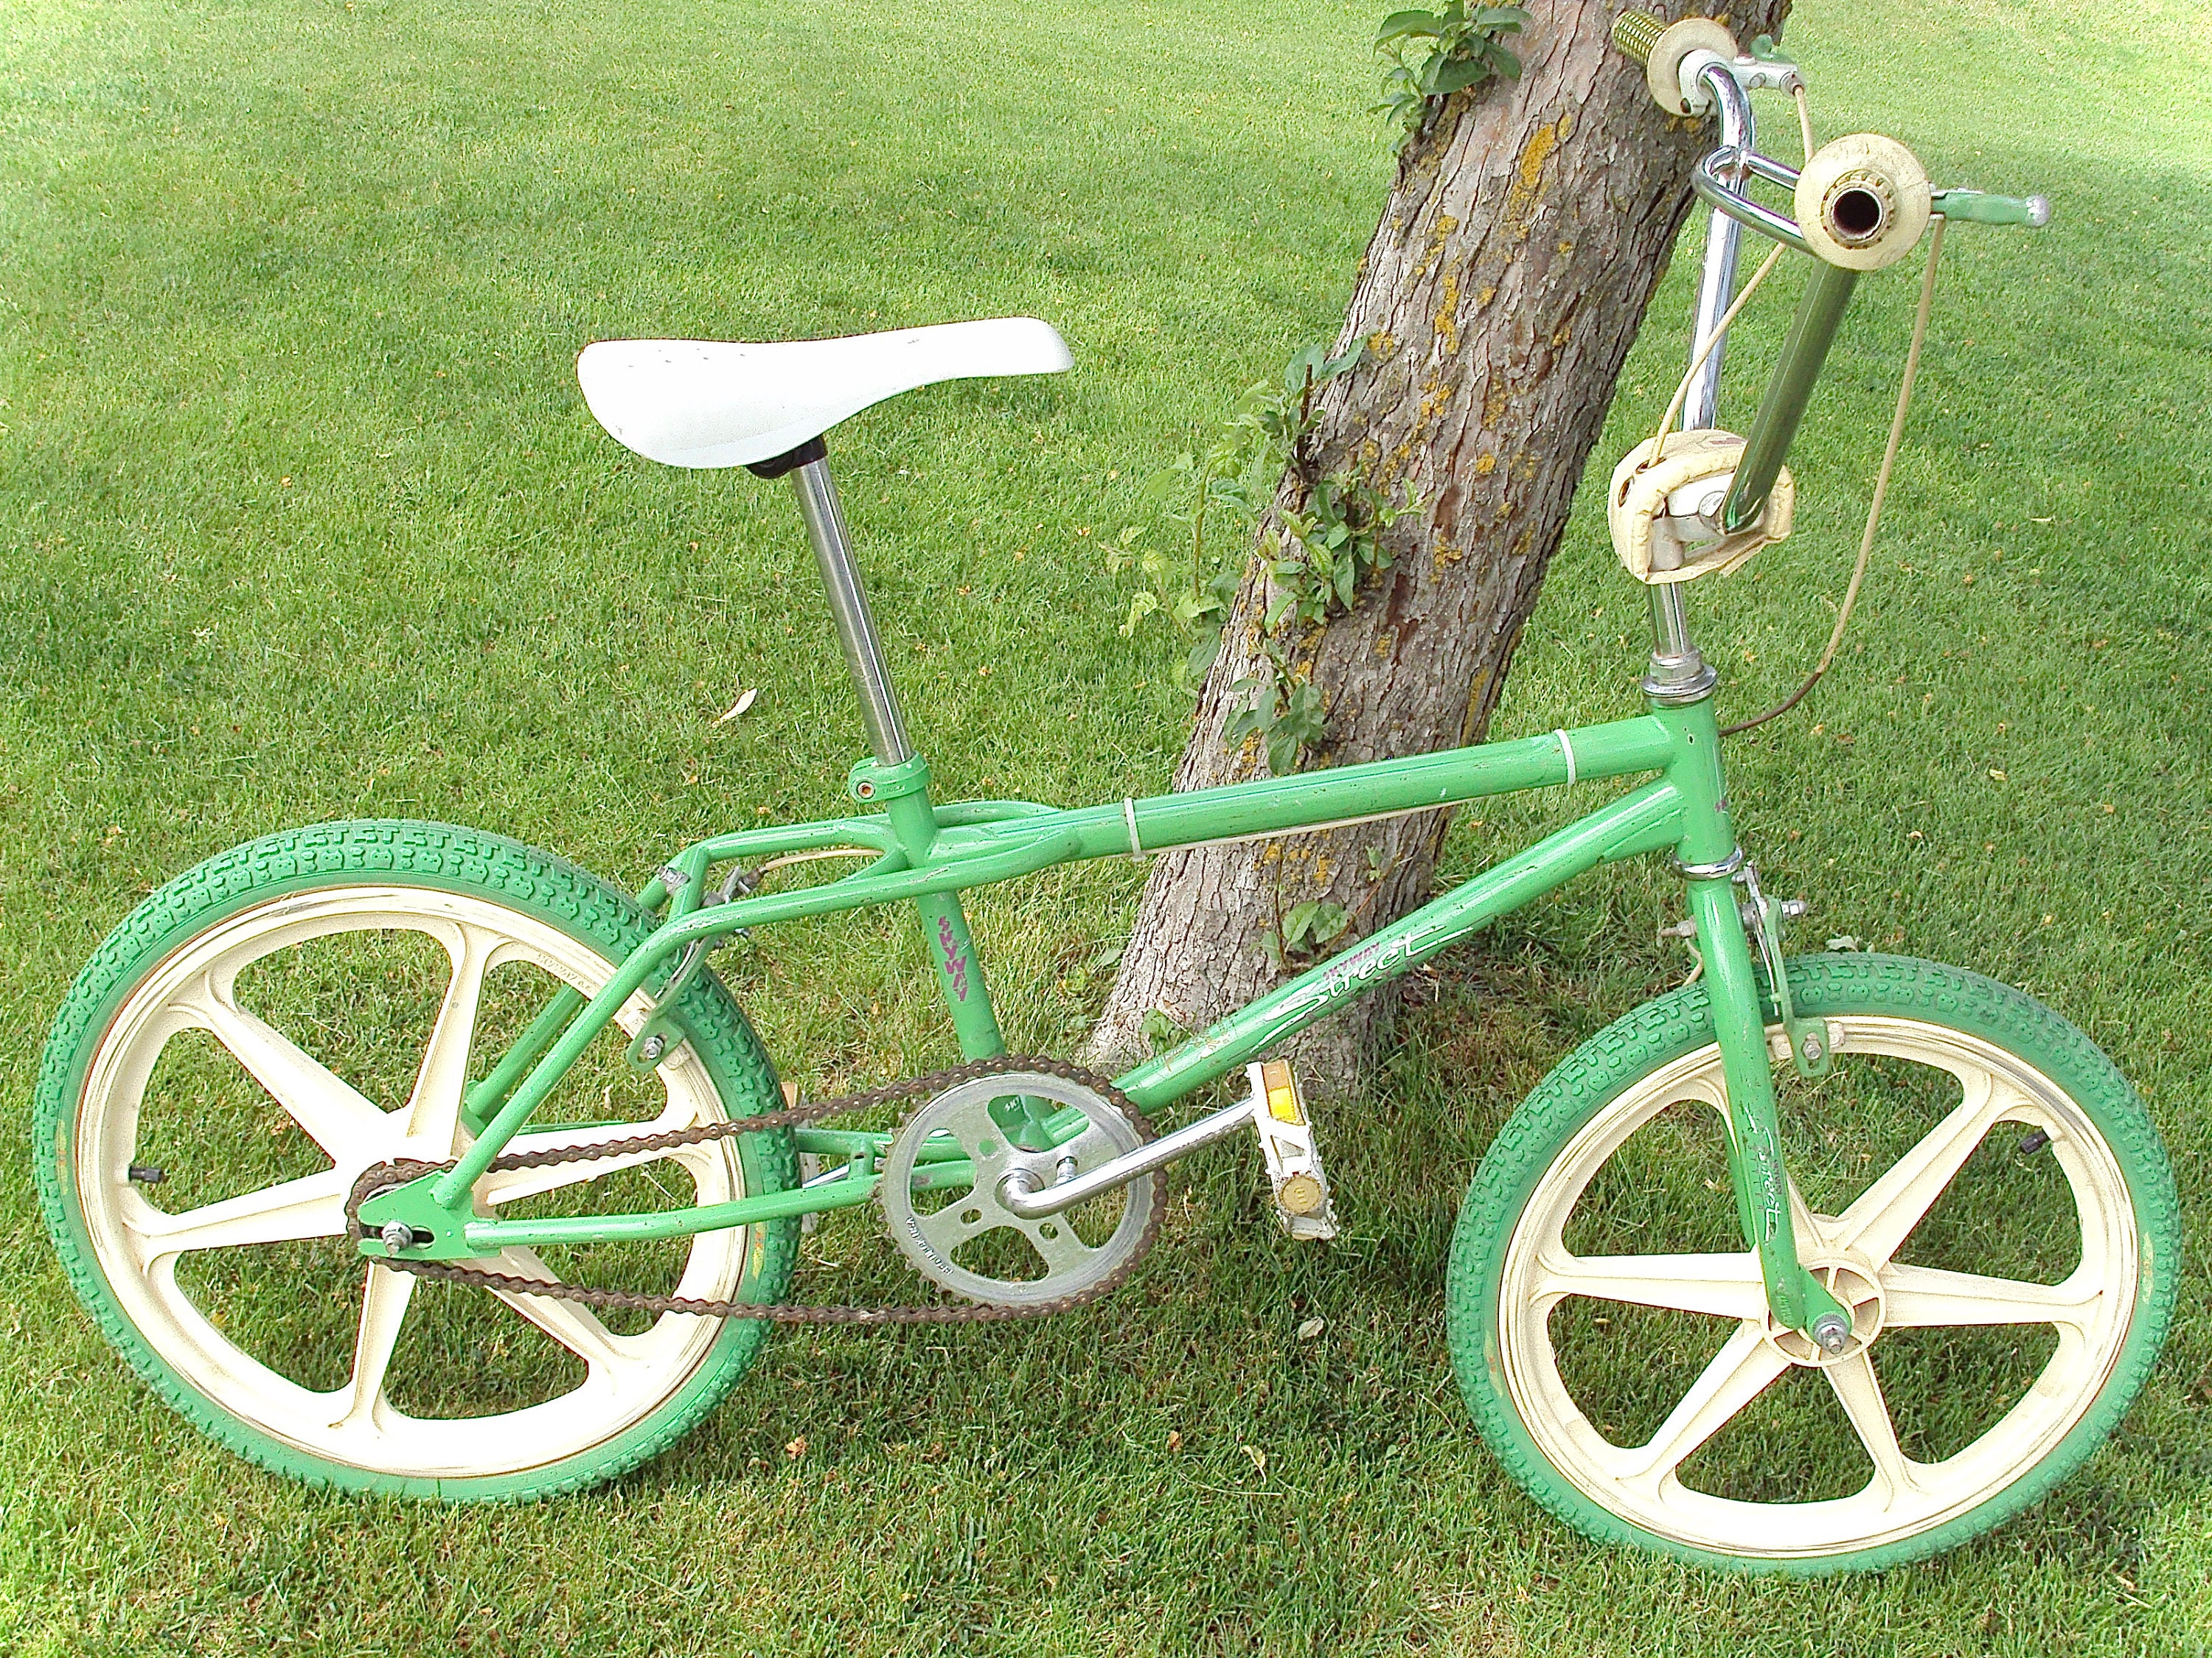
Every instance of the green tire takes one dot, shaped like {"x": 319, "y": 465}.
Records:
{"x": 1523, "y": 1289}
{"x": 494, "y": 884}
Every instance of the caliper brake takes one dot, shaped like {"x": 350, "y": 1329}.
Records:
{"x": 1808, "y": 1038}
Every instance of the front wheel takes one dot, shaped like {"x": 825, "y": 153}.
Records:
{"x": 1975, "y": 1180}
{"x": 293, "y": 1012}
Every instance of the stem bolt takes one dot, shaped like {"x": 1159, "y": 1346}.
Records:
{"x": 1831, "y": 1333}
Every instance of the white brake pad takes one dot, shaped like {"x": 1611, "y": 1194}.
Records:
{"x": 1658, "y": 544}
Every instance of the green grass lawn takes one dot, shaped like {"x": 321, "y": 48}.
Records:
{"x": 301, "y": 516}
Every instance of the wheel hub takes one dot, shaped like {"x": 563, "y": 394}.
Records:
{"x": 1856, "y": 1286}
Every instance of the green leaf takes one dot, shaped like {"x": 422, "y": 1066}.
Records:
{"x": 1345, "y": 362}
{"x": 1201, "y": 657}
{"x": 1160, "y": 1030}
{"x": 1400, "y": 24}
{"x": 1457, "y": 76}
{"x": 1141, "y": 605}
{"x": 1167, "y": 482}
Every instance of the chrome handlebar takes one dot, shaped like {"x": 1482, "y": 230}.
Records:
{"x": 1709, "y": 183}
{"x": 1687, "y": 73}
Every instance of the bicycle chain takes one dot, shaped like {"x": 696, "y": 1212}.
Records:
{"x": 381, "y": 1176}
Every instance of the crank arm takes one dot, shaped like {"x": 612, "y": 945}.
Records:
{"x": 1032, "y": 1203}
{"x": 1273, "y": 1110}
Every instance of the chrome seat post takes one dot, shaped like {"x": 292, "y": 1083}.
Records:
{"x": 849, "y": 611}
{"x": 1679, "y": 672}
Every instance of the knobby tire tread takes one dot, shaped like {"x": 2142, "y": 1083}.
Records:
{"x": 1669, "y": 1026}
{"x": 449, "y": 857}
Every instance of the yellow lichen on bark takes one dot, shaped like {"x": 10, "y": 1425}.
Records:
{"x": 1529, "y": 177}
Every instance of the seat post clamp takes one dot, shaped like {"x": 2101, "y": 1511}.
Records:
{"x": 871, "y": 782}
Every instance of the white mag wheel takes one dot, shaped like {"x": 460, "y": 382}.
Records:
{"x": 208, "y": 1119}
{"x": 1975, "y": 1183}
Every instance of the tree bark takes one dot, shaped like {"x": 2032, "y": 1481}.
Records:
{"x": 1523, "y": 236}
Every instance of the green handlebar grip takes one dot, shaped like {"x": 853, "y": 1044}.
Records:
{"x": 1980, "y": 208}
{"x": 1636, "y": 33}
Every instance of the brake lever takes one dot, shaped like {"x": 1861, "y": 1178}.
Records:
{"x": 1763, "y": 69}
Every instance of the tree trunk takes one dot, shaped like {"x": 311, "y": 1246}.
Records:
{"x": 1522, "y": 241}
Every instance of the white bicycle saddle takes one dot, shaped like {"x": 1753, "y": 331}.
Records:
{"x": 700, "y": 403}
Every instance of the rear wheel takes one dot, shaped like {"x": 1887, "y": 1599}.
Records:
{"x": 1976, "y": 1183}
{"x": 293, "y": 1011}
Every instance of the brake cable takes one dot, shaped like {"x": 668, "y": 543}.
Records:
{"x": 1719, "y": 333}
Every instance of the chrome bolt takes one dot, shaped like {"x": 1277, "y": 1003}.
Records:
{"x": 655, "y": 1045}
{"x": 1813, "y": 1047}
{"x": 398, "y": 1235}
{"x": 1831, "y": 1333}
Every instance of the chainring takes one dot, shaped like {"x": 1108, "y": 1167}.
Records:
{"x": 933, "y": 1227}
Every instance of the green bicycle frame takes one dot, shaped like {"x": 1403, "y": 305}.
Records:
{"x": 930, "y": 854}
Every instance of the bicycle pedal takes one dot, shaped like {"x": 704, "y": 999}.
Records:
{"x": 1286, "y": 1143}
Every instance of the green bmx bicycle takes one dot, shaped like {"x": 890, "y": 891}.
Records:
{"x": 402, "y": 1157}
